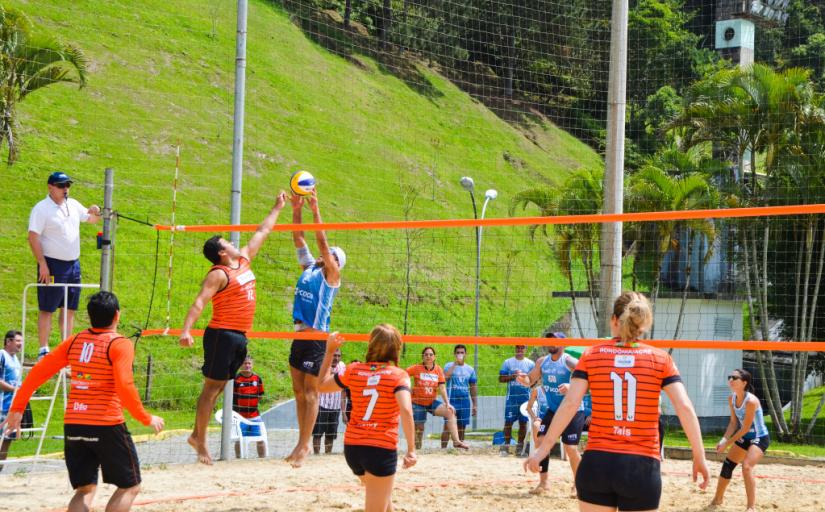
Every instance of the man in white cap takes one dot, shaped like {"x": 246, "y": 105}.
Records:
{"x": 54, "y": 237}
{"x": 311, "y": 310}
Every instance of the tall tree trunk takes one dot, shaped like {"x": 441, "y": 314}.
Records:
{"x": 762, "y": 283}
{"x": 347, "y": 13}
{"x": 657, "y": 281}
{"x": 810, "y": 333}
{"x": 686, "y": 288}
{"x": 796, "y": 388}
{"x": 573, "y": 302}
{"x": 818, "y": 410}
{"x": 796, "y": 313}
{"x": 760, "y": 357}
{"x": 591, "y": 288}
{"x": 386, "y": 23}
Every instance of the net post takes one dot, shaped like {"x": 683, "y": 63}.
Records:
{"x": 106, "y": 242}
{"x": 237, "y": 174}
{"x": 611, "y": 242}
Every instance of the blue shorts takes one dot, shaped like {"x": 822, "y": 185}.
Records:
{"x": 420, "y": 411}
{"x": 51, "y": 298}
{"x": 251, "y": 430}
{"x": 512, "y": 412}
{"x": 463, "y": 410}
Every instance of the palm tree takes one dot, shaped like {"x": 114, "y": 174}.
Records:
{"x": 756, "y": 110}
{"x": 581, "y": 193}
{"x": 29, "y": 62}
{"x": 672, "y": 180}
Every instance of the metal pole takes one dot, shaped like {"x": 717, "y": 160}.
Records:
{"x": 611, "y": 240}
{"x": 235, "y": 205}
{"x": 106, "y": 247}
{"x": 478, "y": 280}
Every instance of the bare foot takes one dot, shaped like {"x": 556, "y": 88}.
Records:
{"x": 299, "y": 455}
{"x": 461, "y": 444}
{"x": 540, "y": 489}
{"x": 203, "y": 453}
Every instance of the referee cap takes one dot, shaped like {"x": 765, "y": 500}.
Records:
{"x": 59, "y": 177}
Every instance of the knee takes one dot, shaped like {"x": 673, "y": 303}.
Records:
{"x": 132, "y": 491}
{"x": 747, "y": 468}
{"x": 727, "y": 469}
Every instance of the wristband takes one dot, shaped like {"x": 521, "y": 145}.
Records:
{"x": 724, "y": 440}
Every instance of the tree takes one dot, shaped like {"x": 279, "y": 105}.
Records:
{"x": 758, "y": 111}
{"x": 672, "y": 180}
{"x": 580, "y": 194}
{"x": 29, "y": 62}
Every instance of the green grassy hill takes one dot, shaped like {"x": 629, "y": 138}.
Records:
{"x": 161, "y": 75}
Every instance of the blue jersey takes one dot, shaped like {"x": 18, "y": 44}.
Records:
{"x": 515, "y": 391}
{"x": 10, "y": 372}
{"x": 313, "y": 299}
{"x": 758, "y": 427}
{"x": 458, "y": 385}
{"x": 587, "y": 404}
{"x": 553, "y": 375}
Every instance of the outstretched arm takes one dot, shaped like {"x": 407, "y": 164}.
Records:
{"x": 331, "y": 271}
{"x": 215, "y": 281}
{"x": 122, "y": 354}
{"x": 251, "y": 249}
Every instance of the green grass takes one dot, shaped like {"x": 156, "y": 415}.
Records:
{"x": 161, "y": 75}
{"x": 776, "y": 448}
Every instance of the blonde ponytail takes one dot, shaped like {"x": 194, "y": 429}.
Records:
{"x": 635, "y": 317}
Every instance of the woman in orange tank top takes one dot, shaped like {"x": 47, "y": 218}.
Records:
{"x": 620, "y": 467}
{"x": 380, "y": 397}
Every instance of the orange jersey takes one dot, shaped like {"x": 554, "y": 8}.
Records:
{"x": 101, "y": 379}
{"x": 625, "y": 384}
{"x": 374, "y": 417}
{"x": 426, "y": 383}
{"x": 234, "y": 306}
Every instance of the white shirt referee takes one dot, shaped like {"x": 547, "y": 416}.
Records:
{"x": 54, "y": 237}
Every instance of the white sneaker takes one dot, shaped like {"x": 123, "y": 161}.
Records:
{"x": 42, "y": 353}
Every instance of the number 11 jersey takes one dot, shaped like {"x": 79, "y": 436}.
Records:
{"x": 625, "y": 384}
{"x": 375, "y": 411}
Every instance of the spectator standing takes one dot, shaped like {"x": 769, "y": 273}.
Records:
{"x": 329, "y": 408}
{"x": 10, "y": 377}
{"x": 517, "y": 394}
{"x": 462, "y": 392}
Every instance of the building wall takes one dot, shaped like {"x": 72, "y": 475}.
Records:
{"x": 703, "y": 372}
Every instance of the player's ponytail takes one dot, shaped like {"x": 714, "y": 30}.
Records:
{"x": 384, "y": 345}
{"x": 635, "y": 317}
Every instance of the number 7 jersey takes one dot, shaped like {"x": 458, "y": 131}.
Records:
{"x": 375, "y": 411}
{"x": 625, "y": 384}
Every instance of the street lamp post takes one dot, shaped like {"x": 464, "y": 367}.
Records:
{"x": 468, "y": 185}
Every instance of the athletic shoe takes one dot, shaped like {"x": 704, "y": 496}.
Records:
{"x": 504, "y": 451}
{"x": 42, "y": 353}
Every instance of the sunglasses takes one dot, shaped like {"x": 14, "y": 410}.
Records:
{"x": 62, "y": 185}
{"x": 734, "y": 377}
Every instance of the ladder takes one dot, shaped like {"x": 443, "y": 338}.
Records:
{"x": 61, "y": 382}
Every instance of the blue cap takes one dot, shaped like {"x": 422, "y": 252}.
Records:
{"x": 59, "y": 177}
{"x": 555, "y": 335}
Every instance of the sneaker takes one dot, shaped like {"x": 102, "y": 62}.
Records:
{"x": 42, "y": 353}
{"x": 504, "y": 451}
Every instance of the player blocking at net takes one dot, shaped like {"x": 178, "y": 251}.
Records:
{"x": 311, "y": 311}
{"x": 230, "y": 285}
{"x": 381, "y": 395}
{"x": 620, "y": 468}
{"x": 102, "y": 384}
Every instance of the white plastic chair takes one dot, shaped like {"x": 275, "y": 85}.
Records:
{"x": 237, "y": 434}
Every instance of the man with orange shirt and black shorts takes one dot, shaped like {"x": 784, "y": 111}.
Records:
{"x": 230, "y": 285}
{"x": 95, "y": 430}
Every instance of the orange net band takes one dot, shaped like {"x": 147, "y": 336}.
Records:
{"x": 764, "y": 211}
{"x": 784, "y": 346}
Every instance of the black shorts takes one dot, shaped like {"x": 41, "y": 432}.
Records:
{"x": 307, "y": 355}
{"x": 370, "y": 459}
{"x": 619, "y": 480}
{"x": 761, "y": 442}
{"x": 326, "y": 423}
{"x": 223, "y": 353}
{"x": 110, "y": 448}
{"x": 50, "y": 299}
{"x": 572, "y": 433}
